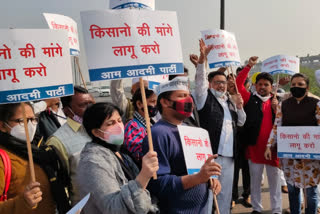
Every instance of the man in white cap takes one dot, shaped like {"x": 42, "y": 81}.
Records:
{"x": 177, "y": 191}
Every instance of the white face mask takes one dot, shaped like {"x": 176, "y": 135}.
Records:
{"x": 18, "y": 131}
{"x": 114, "y": 136}
{"x": 264, "y": 99}
{"x": 216, "y": 93}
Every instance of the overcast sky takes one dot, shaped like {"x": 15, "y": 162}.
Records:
{"x": 262, "y": 27}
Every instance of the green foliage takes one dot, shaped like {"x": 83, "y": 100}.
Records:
{"x": 314, "y": 87}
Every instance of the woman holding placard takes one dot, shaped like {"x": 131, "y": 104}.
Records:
{"x": 299, "y": 110}
{"x": 23, "y": 196}
{"x": 106, "y": 169}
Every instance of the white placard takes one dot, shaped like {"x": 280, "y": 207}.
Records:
{"x": 34, "y": 65}
{"x": 121, "y": 4}
{"x": 79, "y": 206}
{"x": 225, "y": 49}
{"x": 154, "y": 81}
{"x": 131, "y": 43}
{"x": 60, "y": 22}
{"x": 196, "y": 147}
{"x": 281, "y": 64}
{"x": 299, "y": 142}
{"x": 317, "y": 74}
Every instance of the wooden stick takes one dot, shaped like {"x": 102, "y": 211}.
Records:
{"x": 304, "y": 187}
{"x": 214, "y": 197}
{"x": 78, "y": 65}
{"x": 277, "y": 86}
{"x": 147, "y": 118}
{"x": 234, "y": 79}
{"x": 25, "y": 122}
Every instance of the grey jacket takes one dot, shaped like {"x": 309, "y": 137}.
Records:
{"x": 100, "y": 173}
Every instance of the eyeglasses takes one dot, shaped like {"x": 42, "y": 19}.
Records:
{"x": 34, "y": 121}
{"x": 220, "y": 82}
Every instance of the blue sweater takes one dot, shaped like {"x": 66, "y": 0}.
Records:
{"x": 168, "y": 187}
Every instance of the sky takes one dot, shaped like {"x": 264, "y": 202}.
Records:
{"x": 262, "y": 27}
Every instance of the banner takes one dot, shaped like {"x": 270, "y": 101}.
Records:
{"x": 121, "y": 4}
{"x": 299, "y": 142}
{"x": 60, "y": 22}
{"x": 196, "y": 147}
{"x": 34, "y": 65}
{"x": 131, "y": 43}
{"x": 225, "y": 49}
{"x": 317, "y": 74}
{"x": 281, "y": 64}
{"x": 154, "y": 81}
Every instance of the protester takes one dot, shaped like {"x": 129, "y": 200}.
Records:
{"x": 24, "y": 196}
{"x": 70, "y": 138}
{"x": 260, "y": 107}
{"x": 119, "y": 98}
{"x": 193, "y": 120}
{"x": 240, "y": 161}
{"x": 136, "y": 129}
{"x": 220, "y": 117}
{"x": 107, "y": 171}
{"x": 178, "y": 192}
{"x": 299, "y": 110}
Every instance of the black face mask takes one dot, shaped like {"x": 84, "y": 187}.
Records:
{"x": 152, "y": 110}
{"x": 298, "y": 92}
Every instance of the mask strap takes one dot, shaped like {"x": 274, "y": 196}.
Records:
{"x": 8, "y": 125}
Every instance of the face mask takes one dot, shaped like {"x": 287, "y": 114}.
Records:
{"x": 76, "y": 117}
{"x": 298, "y": 92}
{"x": 264, "y": 99}
{"x": 153, "y": 111}
{"x": 184, "y": 106}
{"x": 18, "y": 131}
{"x": 114, "y": 136}
{"x": 217, "y": 94}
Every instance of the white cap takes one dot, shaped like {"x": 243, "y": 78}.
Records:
{"x": 178, "y": 83}
{"x": 137, "y": 79}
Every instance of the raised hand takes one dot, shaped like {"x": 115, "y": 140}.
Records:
{"x": 253, "y": 61}
{"x": 194, "y": 59}
{"x": 204, "y": 51}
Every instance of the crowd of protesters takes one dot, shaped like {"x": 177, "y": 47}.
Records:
{"x": 80, "y": 146}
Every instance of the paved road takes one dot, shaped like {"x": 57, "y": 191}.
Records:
{"x": 239, "y": 208}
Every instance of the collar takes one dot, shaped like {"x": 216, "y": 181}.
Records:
{"x": 141, "y": 119}
{"x": 75, "y": 126}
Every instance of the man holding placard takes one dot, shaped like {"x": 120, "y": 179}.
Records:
{"x": 298, "y": 112}
{"x": 260, "y": 109}
{"x": 219, "y": 116}
{"x": 177, "y": 192}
